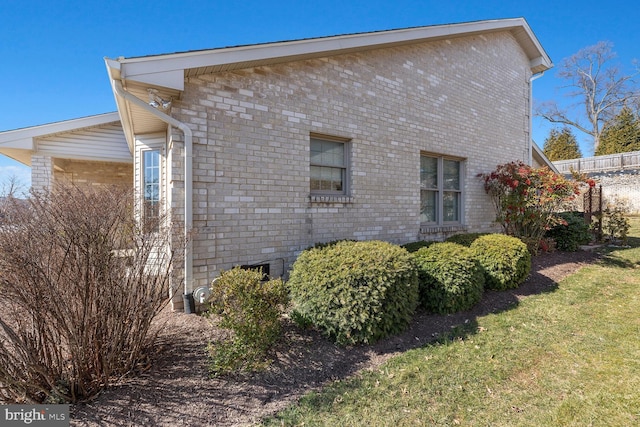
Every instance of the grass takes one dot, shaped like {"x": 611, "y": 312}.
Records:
{"x": 567, "y": 358}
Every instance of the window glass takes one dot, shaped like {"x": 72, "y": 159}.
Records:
{"x": 451, "y": 207}
{"x": 440, "y": 190}
{"x": 451, "y": 172}
{"x": 326, "y": 179}
{"x": 151, "y": 182}
{"x": 328, "y": 166}
{"x": 428, "y": 206}
{"x": 428, "y": 172}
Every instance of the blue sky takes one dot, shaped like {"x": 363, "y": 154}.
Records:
{"x": 52, "y": 50}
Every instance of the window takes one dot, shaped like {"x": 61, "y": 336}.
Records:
{"x": 151, "y": 183}
{"x": 440, "y": 190}
{"x": 328, "y": 166}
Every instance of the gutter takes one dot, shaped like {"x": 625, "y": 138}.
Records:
{"x": 188, "y": 178}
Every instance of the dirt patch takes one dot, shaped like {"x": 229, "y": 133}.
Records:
{"x": 176, "y": 390}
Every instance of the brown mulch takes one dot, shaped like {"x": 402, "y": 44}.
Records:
{"x": 177, "y": 391}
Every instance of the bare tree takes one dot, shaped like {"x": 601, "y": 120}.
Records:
{"x": 80, "y": 283}
{"x": 11, "y": 187}
{"x": 598, "y": 85}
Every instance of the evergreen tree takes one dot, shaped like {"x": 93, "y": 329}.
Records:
{"x": 620, "y": 135}
{"x": 561, "y": 145}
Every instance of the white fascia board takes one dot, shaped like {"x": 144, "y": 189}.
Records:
{"x": 25, "y": 143}
{"x": 23, "y": 138}
{"x": 167, "y": 67}
{"x": 114, "y": 72}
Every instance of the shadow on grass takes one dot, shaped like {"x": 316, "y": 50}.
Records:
{"x": 613, "y": 260}
{"x": 612, "y": 254}
{"x": 634, "y": 242}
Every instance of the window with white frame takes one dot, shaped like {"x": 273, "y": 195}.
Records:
{"x": 151, "y": 183}
{"x": 329, "y": 166}
{"x": 440, "y": 190}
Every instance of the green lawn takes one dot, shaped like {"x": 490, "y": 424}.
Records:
{"x": 566, "y": 358}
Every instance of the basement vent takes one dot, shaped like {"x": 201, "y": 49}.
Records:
{"x": 263, "y": 267}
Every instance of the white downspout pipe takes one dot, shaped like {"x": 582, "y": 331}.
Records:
{"x": 188, "y": 176}
{"x": 530, "y": 148}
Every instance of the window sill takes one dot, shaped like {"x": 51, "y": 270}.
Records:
{"x": 330, "y": 199}
{"x": 429, "y": 229}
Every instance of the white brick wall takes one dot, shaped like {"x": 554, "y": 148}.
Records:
{"x": 465, "y": 97}
{"x": 41, "y": 172}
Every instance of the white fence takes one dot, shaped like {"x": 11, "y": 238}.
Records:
{"x": 611, "y": 162}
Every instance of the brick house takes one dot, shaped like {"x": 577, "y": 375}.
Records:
{"x": 264, "y": 150}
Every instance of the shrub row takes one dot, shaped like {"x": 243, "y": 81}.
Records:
{"x": 359, "y": 292}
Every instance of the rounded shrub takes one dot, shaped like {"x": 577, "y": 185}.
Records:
{"x": 506, "y": 261}
{"x": 572, "y": 233}
{"x": 356, "y": 292}
{"x": 450, "y": 278}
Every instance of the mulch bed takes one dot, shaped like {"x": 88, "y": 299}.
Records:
{"x": 177, "y": 391}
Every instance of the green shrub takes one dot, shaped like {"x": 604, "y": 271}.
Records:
{"x": 616, "y": 224}
{"x": 465, "y": 239}
{"x": 252, "y": 309}
{"x": 330, "y": 243}
{"x": 450, "y": 278}
{"x": 505, "y": 259}
{"x": 415, "y": 246}
{"x": 570, "y": 236}
{"x": 356, "y": 292}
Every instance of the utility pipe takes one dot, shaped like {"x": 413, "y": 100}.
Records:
{"x": 530, "y": 148}
{"x": 188, "y": 176}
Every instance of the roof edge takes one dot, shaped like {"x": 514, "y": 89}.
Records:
{"x": 168, "y": 67}
{"x": 540, "y": 153}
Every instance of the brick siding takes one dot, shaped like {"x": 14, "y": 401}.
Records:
{"x": 465, "y": 97}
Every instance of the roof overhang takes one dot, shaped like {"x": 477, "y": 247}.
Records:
{"x": 170, "y": 70}
{"x": 541, "y": 158}
{"x": 19, "y": 144}
{"x": 167, "y": 73}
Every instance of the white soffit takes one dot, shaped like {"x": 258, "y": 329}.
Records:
{"x": 19, "y": 144}
{"x": 23, "y": 138}
{"x": 169, "y": 70}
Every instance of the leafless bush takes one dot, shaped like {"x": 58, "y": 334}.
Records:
{"x": 80, "y": 283}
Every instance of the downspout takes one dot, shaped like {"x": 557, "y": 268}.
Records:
{"x": 188, "y": 178}
{"x": 530, "y": 148}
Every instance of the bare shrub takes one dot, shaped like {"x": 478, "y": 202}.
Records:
{"x": 80, "y": 282}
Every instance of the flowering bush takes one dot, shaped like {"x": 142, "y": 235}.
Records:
{"x": 527, "y": 198}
